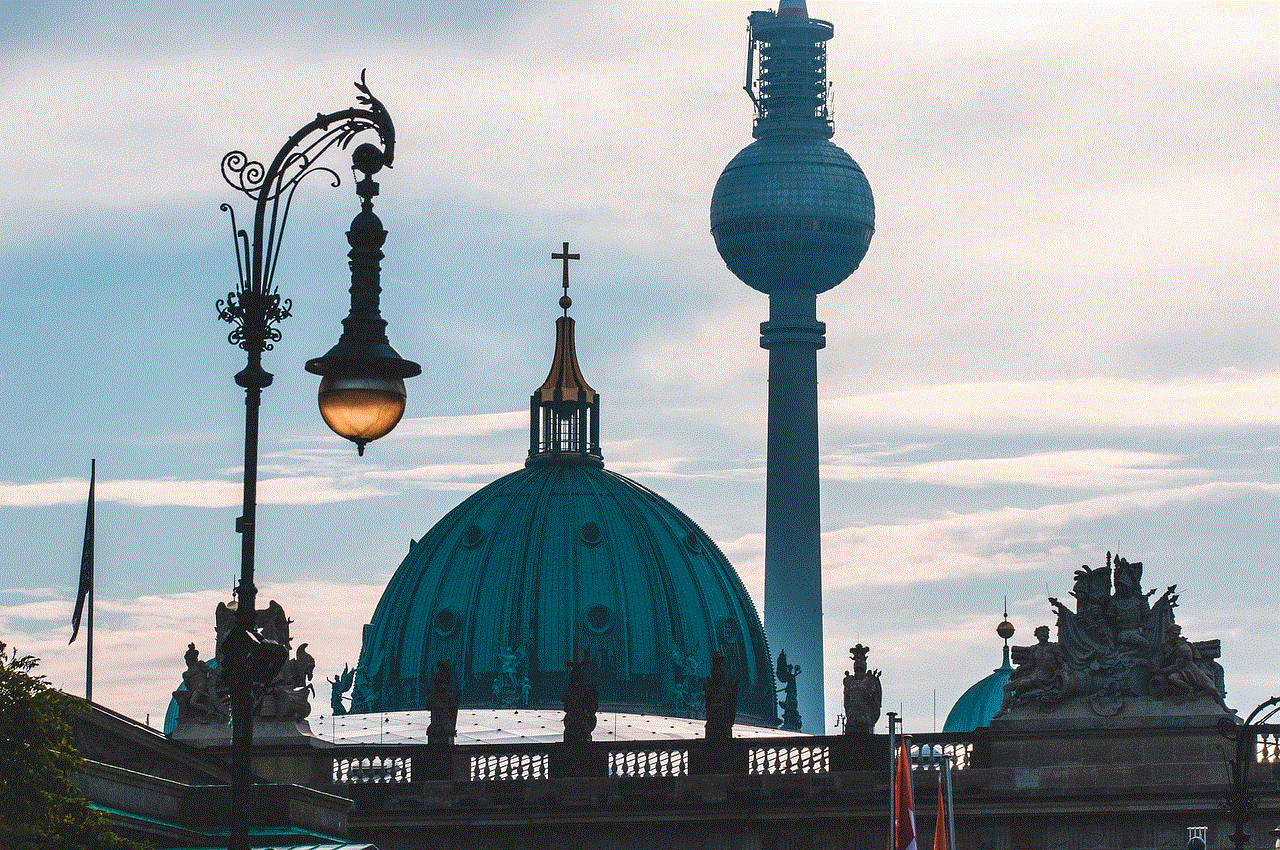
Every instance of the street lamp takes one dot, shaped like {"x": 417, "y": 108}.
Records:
{"x": 362, "y": 385}
{"x": 1244, "y": 736}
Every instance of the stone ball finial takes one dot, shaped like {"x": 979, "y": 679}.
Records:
{"x": 368, "y": 158}
{"x": 1005, "y": 630}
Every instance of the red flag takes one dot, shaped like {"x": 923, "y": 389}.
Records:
{"x": 940, "y": 822}
{"x": 904, "y": 814}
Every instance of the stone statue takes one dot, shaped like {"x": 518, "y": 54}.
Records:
{"x": 273, "y": 625}
{"x": 862, "y": 694}
{"x": 1040, "y": 677}
{"x": 443, "y": 704}
{"x": 224, "y": 620}
{"x": 721, "y": 695}
{"x": 790, "y": 707}
{"x": 686, "y": 694}
{"x": 286, "y": 698}
{"x": 339, "y": 685}
{"x": 1179, "y": 677}
{"x": 511, "y": 685}
{"x": 580, "y": 705}
{"x": 199, "y": 701}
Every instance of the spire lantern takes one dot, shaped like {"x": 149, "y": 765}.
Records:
{"x": 564, "y": 424}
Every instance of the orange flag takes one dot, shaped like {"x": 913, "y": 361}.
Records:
{"x": 940, "y": 822}
{"x": 904, "y": 815}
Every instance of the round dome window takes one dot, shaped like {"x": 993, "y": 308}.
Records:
{"x": 472, "y": 537}
{"x": 691, "y": 542}
{"x": 599, "y": 619}
{"x": 446, "y": 622}
{"x": 591, "y": 534}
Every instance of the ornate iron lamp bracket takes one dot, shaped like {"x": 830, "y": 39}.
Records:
{"x": 1244, "y": 735}
{"x": 255, "y": 307}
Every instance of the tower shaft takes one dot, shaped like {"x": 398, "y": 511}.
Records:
{"x": 793, "y": 547}
{"x": 792, "y": 216}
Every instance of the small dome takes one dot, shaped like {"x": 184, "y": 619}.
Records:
{"x": 792, "y": 212}
{"x": 559, "y": 561}
{"x": 979, "y": 704}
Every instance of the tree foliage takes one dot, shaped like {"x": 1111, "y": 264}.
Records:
{"x": 39, "y": 805}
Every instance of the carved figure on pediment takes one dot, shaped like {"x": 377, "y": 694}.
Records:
{"x": 1041, "y": 677}
{"x": 1179, "y": 677}
{"x": 580, "y": 705}
{"x": 199, "y": 700}
{"x": 273, "y": 625}
{"x": 224, "y": 620}
{"x": 1130, "y": 607}
{"x": 862, "y": 694}
{"x": 721, "y": 695}
{"x": 443, "y": 705}
{"x": 287, "y": 696}
{"x": 1092, "y": 592}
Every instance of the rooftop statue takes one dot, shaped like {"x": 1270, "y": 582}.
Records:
{"x": 443, "y": 705}
{"x": 787, "y": 674}
{"x": 1117, "y": 652}
{"x": 287, "y": 696}
{"x": 199, "y": 700}
{"x": 579, "y": 706}
{"x": 862, "y": 694}
{"x": 511, "y": 685}
{"x": 1040, "y": 677}
{"x": 722, "y": 701}
{"x": 339, "y": 685}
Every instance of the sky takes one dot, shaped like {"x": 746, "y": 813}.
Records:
{"x": 1062, "y": 341}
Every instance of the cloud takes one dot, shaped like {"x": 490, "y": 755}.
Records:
{"x": 1224, "y": 400}
{"x": 996, "y": 541}
{"x": 473, "y": 425}
{"x": 194, "y": 493}
{"x": 1085, "y": 468}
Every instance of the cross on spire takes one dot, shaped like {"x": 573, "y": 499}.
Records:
{"x": 565, "y": 300}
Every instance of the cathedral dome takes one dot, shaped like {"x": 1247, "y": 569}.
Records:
{"x": 559, "y": 561}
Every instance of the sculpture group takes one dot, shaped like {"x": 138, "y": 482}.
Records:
{"x": 203, "y": 698}
{"x": 1115, "y": 648}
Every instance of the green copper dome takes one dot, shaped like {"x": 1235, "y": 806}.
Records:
{"x": 565, "y": 560}
{"x": 979, "y": 704}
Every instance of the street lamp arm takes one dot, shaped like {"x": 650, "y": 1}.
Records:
{"x": 255, "y": 307}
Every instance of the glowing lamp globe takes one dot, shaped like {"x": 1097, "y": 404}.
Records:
{"x": 361, "y": 408}
{"x": 362, "y": 393}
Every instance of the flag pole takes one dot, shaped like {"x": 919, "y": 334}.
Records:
{"x": 88, "y": 555}
{"x": 893, "y": 783}
{"x": 88, "y": 641}
{"x": 951, "y": 811}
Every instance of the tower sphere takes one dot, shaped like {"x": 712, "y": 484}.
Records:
{"x": 792, "y": 212}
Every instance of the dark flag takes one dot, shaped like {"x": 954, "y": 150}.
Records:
{"x": 86, "y": 560}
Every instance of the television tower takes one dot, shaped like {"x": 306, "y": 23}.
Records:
{"x": 792, "y": 216}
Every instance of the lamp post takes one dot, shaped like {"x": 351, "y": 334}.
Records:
{"x": 362, "y": 387}
{"x": 1244, "y": 735}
